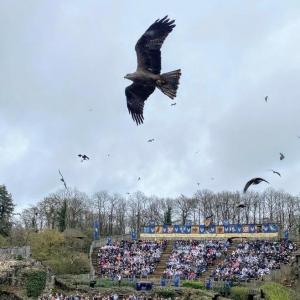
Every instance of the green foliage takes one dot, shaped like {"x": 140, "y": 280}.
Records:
{"x": 35, "y": 283}
{"x": 6, "y": 210}
{"x": 3, "y": 241}
{"x": 168, "y": 216}
{"x": 165, "y": 293}
{"x": 45, "y": 244}
{"x": 50, "y": 247}
{"x": 275, "y": 291}
{"x": 69, "y": 262}
{"x": 239, "y": 293}
{"x": 107, "y": 283}
{"x": 62, "y": 217}
{"x": 193, "y": 284}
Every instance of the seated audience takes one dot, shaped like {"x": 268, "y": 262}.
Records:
{"x": 191, "y": 258}
{"x": 253, "y": 260}
{"x": 129, "y": 258}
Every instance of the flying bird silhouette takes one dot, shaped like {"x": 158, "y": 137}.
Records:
{"x": 241, "y": 205}
{"x": 198, "y": 183}
{"x": 281, "y": 156}
{"x": 62, "y": 179}
{"x": 83, "y": 157}
{"x": 275, "y": 172}
{"x": 266, "y": 98}
{"x": 147, "y": 76}
{"x": 139, "y": 178}
{"x": 173, "y": 104}
{"x": 254, "y": 181}
{"x": 151, "y": 140}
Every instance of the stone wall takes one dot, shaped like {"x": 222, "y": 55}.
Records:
{"x": 24, "y": 252}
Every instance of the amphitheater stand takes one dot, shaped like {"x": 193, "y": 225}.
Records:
{"x": 204, "y": 276}
{"x": 161, "y": 266}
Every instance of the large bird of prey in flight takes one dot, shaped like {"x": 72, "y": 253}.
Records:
{"x": 254, "y": 181}
{"x": 62, "y": 179}
{"x": 147, "y": 75}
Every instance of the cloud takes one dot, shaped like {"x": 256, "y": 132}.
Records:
{"x": 62, "y": 93}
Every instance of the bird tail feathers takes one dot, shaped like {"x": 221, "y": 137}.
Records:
{"x": 169, "y": 82}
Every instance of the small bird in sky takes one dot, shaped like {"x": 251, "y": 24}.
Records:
{"x": 198, "y": 183}
{"x": 108, "y": 155}
{"x": 128, "y": 193}
{"x": 83, "y": 157}
{"x": 173, "y": 104}
{"x": 266, "y": 98}
{"x": 151, "y": 140}
{"x": 139, "y": 178}
{"x": 254, "y": 181}
{"x": 281, "y": 156}
{"x": 241, "y": 205}
{"x": 275, "y": 172}
{"x": 62, "y": 179}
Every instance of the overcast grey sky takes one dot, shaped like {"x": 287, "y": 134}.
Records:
{"x": 60, "y": 59}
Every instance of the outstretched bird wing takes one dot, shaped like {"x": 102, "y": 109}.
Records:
{"x": 275, "y": 172}
{"x": 62, "y": 179}
{"x": 136, "y": 95}
{"x": 148, "y": 46}
{"x": 247, "y": 185}
{"x": 255, "y": 180}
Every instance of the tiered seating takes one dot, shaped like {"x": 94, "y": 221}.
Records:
{"x": 129, "y": 258}
{"x": 189, "y": 259}
{"x": 254, "y": 259}
{"x": 192, "y": 259}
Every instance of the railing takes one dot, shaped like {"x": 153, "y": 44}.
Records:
{"x": 24, "y": 252}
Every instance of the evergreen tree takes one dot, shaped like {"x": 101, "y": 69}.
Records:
{"x": 62, "y": 217}
{"x": 168, "y": 216}
{"x": 6, "y": 210}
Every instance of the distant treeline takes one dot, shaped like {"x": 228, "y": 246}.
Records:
{"x": 118, "y": 214}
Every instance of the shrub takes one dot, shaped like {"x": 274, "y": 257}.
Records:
{"x": 275, "y": 291}
{"x": 107, "y": 283}
{"x": 35, "y": 283}
{"x": 3, "y": 241}
{"x": 193, "y": 284}
{"x": 69, "y": 263}
{"x": 239, "y": 293}
{"x": 165, "y": 293}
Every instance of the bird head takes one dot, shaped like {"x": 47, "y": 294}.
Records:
{"x": 129, "y": 76}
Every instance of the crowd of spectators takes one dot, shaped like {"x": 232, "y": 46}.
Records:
{"x": 191, "y": 258}
{"x": 129, "y": 259}
{"x": 253, "y": 260}
{"x": 112, "y": 296}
